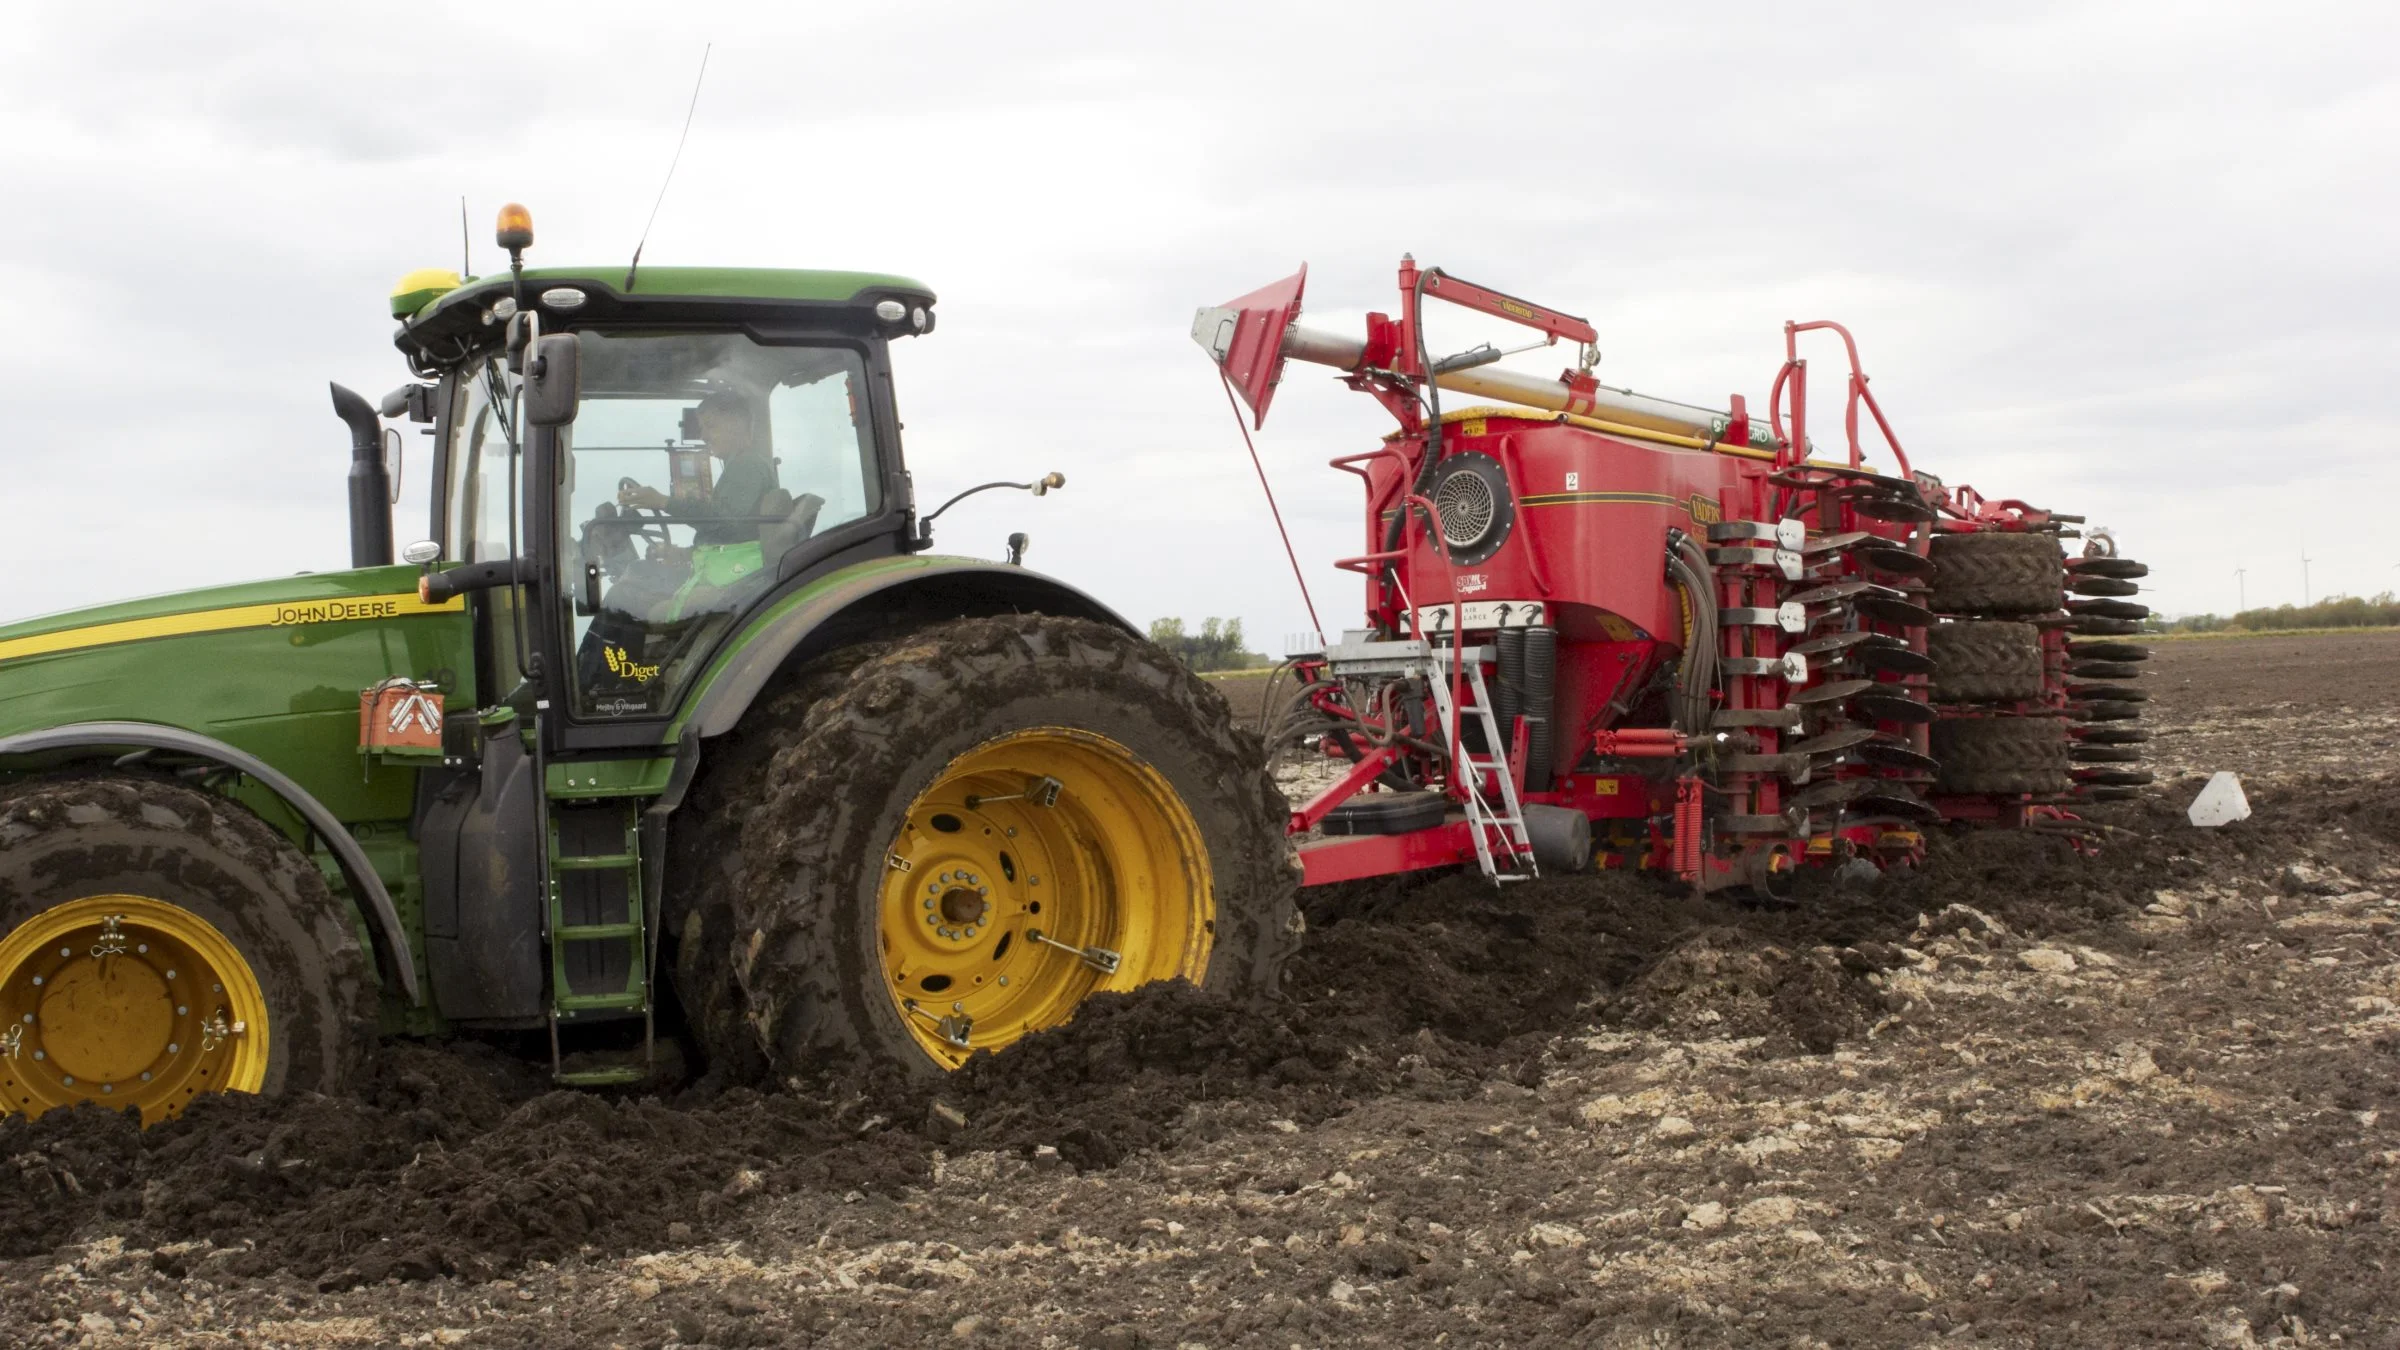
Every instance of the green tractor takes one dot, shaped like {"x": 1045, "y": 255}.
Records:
{"x": 671, "y": 724}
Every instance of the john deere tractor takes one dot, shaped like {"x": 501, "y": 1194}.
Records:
{"x": 671, "y": 723}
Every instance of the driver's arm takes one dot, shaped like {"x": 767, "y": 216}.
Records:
{"x": 630, "y": 493}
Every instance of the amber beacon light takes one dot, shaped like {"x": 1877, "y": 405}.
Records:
{"x": 515, "y": 230}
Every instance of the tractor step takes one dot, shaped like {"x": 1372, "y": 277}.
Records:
{"x": 598, "y": 929}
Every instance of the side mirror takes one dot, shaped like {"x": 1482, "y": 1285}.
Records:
{"x": 554, "y": 380}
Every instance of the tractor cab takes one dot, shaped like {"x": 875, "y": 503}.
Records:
{"x": 721, "y": 432}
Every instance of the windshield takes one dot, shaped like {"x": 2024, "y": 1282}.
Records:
{"x": 696, "y": 463}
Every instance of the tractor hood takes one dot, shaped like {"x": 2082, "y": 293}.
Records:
{"x": 284, "y": 602}
{"x": 272, "y": 667}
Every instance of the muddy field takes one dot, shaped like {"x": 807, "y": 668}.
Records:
{"x": 2020, "y": 1098}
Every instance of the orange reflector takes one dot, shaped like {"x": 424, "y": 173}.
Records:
{"x": 516, "y": 227}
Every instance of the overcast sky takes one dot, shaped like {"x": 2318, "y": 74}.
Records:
{"x": 2135, "y": 261}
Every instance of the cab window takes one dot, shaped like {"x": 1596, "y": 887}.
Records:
{"x": 697, "y": 463}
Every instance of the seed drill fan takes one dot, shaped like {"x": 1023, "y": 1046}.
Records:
{"x": 1608, "y": 627}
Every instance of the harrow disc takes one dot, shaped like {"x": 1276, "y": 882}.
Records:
{"x": 1890, "y": 800}
{"x": 1893, "y": 558}
{"x": 2108, "y": 651}
{"x": 1893, "y": 755}
{"x": 2108, "y": 609}
{"x": 1876, "y": 506}
{"x": 2104, "y": 670}
{"x": 1833, "y": 741}
{"x": 1884, "y": 609}
{"x": 2124, "y": 568}
{"x": 1891, "y": 707}
{"x": 2108, "y": 778}
{"x": 2122, "y": 693}
{"x": 1832, "y": 692}
{"x": 2104, "y": 754}
{"x": 2112, "y": 736}
{"x": 2091, "y": 585}
{"x": 2107, "y": 794}
{"x": 2092, "y": 627}
{"x": 1833, "y": 792}
{"x": 1834, "y": 642}
{"x": 2109, "y": 712}
{"x": 1897, "y": 659}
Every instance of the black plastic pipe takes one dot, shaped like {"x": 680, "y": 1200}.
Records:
{"x": 1509, "y": 699}
{"x": 370, "y": 484}
{"x": 1540, "y": 697}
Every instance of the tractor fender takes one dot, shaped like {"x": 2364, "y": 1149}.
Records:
{"x": 844, "y": 606}
{"x": 393, "y": 958}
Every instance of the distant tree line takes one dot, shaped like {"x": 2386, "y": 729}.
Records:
{"x": 1217, "y": 646}
{"x": 2341, "y": 611}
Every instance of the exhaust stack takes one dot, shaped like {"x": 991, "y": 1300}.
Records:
{"x": 370, "y": 485}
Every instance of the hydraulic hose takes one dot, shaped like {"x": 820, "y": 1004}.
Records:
{"x": 1696, "y": 672}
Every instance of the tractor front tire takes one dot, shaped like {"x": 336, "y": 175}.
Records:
{"x": 1997, "y": 573}
{"x": 978, "y": 826}
{"x": 158, "y": 942}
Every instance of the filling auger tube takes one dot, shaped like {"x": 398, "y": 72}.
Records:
{"x": 1616, "y": 405}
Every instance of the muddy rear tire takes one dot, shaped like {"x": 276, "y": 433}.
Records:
{"x": 896, "y": 861}
{"x": 200, "y": 908}
{"x": 1995, "y": 573}
{"x": 2002, "y": 756}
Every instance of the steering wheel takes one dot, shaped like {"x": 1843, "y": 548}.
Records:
{"x": 650, "y": 522}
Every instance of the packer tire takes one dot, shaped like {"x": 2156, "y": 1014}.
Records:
{"x": 2112, "y": 736}
{"x": 2102, "y": 627}
{"x": 68, "y": 839}
{"x": 1985, "y": 661}
{"x": 2104, "y": 670}
{"x": 841, "y": 780}
{"x": 1995, "y": 573}
{"x": 2002, "y": 756}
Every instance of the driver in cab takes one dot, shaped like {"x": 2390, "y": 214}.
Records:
{"x": 725, "y": 517}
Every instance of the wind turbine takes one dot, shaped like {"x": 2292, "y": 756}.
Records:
{"x": 2241, "y": 581}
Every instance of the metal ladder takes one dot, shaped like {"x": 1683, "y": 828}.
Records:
{"x": 1502, "y": 845}
{"x": 566, "y": 1004}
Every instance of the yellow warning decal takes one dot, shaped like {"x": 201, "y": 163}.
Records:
{"x": 277, "y": 614}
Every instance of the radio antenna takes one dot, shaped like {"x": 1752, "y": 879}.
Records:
{"x": 466, "y": 242}
{"x": 635, "y": 265}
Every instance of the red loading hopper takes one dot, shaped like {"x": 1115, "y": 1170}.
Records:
{"x": 1245, "y": 337}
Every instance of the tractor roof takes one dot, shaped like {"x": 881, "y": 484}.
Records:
{"x": 439, "y": 315}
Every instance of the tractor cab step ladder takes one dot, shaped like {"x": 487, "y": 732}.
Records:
{"x": 599, "y": 943}
{"x": 1502, "y": 846}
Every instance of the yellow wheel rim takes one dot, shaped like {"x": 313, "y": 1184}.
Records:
{"x": 126, "y": 1001}
{"x": 1039, "y": 869}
